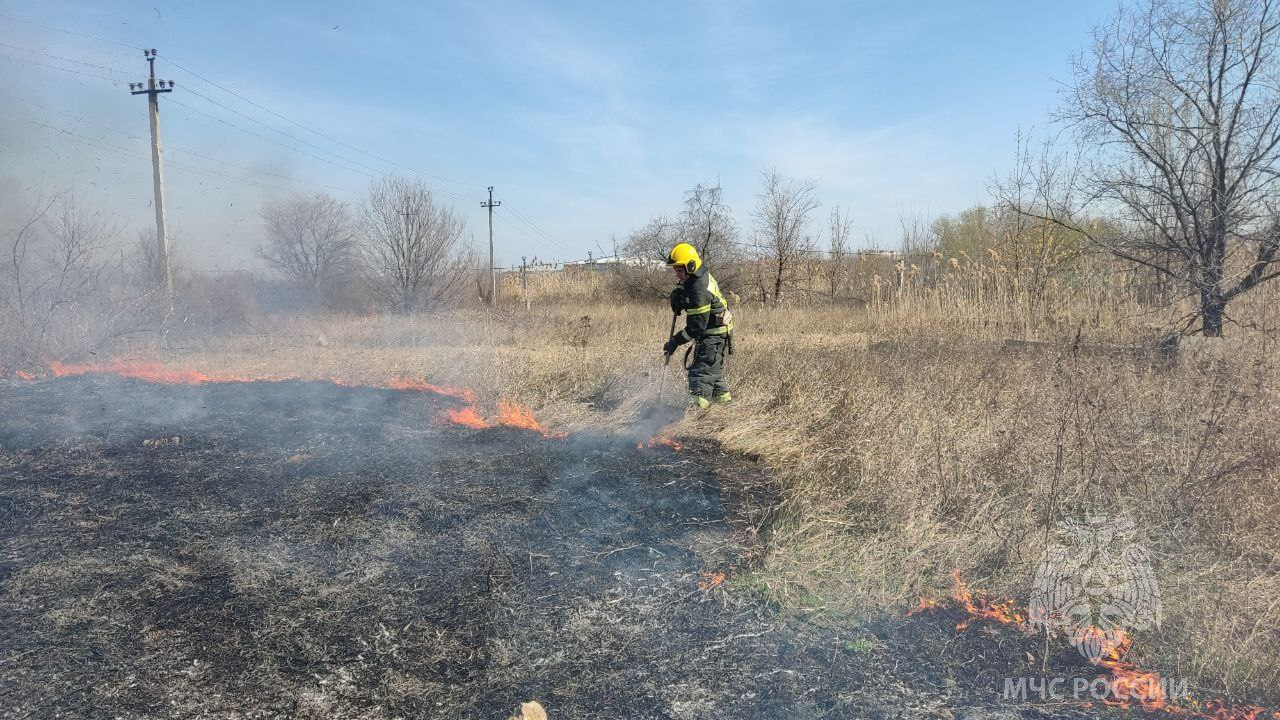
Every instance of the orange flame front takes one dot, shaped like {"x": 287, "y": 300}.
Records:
{"x": 468, "y": 417}
{"x": 515, "y": 416}
{"x": 1127, "y": 682}
{"x": 509, "y": 413}
{"x": 663, "y": 438}
{"x": 149, "y": 371}
{"x": 417, "y": 385}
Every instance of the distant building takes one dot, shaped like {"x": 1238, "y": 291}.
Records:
{"x": 611, "y": 262}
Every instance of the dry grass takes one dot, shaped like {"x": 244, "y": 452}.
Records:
{"x": 908, "y": 439}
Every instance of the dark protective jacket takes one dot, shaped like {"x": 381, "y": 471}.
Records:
{"x": 706, "y": 311}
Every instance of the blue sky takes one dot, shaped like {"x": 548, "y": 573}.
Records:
{"x": 587, "y": 117}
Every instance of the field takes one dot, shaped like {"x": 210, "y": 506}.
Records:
{"x": 886, "y": 450}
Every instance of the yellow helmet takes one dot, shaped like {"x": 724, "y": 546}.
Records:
{"x": 686, "y": 256}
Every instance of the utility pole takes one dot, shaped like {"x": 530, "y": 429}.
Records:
{"x": 406, "y": 297}
{"x": 152, "y": 90}
{"x": 524, "y": 281}
{"x": 493, "y": 273}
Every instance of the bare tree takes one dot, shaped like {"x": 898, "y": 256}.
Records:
{"x": 146, "y": 255}
{"x": 412, "y": 244}
{"x": 53, "y": 272}
{"x": 19, "y": 258}
{"x": 839, "y": 228}
{"x": 781, "y": 221}
{"x": 310, "y": 240}
{"x": 708, "y": 223}
{"x": 76, "y": 237}
{"x": 1034, "y": 249}
{"x": 1182, "y": 100}
{"x": 652, "y": 241}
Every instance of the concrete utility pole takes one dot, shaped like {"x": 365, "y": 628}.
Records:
{"x": 152, "y": 90}
{"x": 524, "y": 282}
{"x": 493, "y": 273}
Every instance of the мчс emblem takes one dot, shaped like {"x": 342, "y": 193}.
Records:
{"x": 1094, "y": 583}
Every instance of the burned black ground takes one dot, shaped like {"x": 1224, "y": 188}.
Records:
{"x": 318, "y": 551}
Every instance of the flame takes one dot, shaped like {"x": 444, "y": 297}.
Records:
{"x": 468, "y": 417}
{"x": 148, "y": 371}
{"x": 663, "y": 438}
{"x": 982, "y": 608}
{"x": 709, "y": 580}
{"x": 926, "y": 605}
{"x": 418, "y": 385}
{"x": 509, "y": 413}
{"x": 1127, "y": 682}
{"x": 516, "y": 416}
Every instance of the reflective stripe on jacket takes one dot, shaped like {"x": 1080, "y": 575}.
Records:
{"x": 706, "y": 311}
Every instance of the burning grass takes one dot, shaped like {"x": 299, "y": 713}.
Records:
{"x": 318, "y": 550}
{"x": 905, "y": 441}
{"x": 1127, "y": 684}
{"x": 509, "y": 414}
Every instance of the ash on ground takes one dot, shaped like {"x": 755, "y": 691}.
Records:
{"x": 309, "y": 550}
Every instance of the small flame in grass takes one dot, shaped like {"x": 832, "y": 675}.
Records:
{"x": 517, "y": 416}
{"x": 468, "y": 417}
{"x": 981, "y": 608}
{"x": 510, "y": 415}
{"x": 709, "y": 580}
{"x": 417, "y": 385}
{"x": 926, "y": 604}
{"x": 24, "y": 375}
{"x": 660, "y": 439}
{"x": 1127, "y": 682}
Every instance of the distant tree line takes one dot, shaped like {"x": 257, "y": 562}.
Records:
{"x": 401, "y": 244}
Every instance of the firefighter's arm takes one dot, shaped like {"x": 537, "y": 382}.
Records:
{"x": 697, "y": 313}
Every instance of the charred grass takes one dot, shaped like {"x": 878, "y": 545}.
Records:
{"x": 310, "y": 550}
{"x": 901, "y": 447}
{"x": 905, "y": 446}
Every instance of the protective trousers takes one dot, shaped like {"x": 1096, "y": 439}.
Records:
{"x": 706, "y": 372}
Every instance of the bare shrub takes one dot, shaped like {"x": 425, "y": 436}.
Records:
{"x": 54, "y": 288}
{"x": 412, "y": 245}
{"x": 310, "y": 241}
{"x": 781, "y": 226}
{"x": 651, "y": 241}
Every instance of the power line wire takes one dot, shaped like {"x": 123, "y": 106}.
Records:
{"x": 543, "y": 239}
{"x": 316, "y": 132}
{"x": 55, "y": 67}
{"x": 182, "y": 150}
{"x": 69, "y": 32}
{"x": 539, "y": 235}
{"x": 250, "y": 102}
{"x": 252, "y": 119}
{"x": 243, "y": 129}
{"x": 234, "y": 125}
{"x": 134, "y": 154}
{"x": 219, "y": 86}
{"x": 530, "y": 223}
{"x": 63, "y": 59}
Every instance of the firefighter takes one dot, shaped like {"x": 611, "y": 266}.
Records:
{"x": 708, "y": 324}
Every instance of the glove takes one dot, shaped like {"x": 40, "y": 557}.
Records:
{"x": 675, "y": 342}
{"x": 677, "y": 300}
